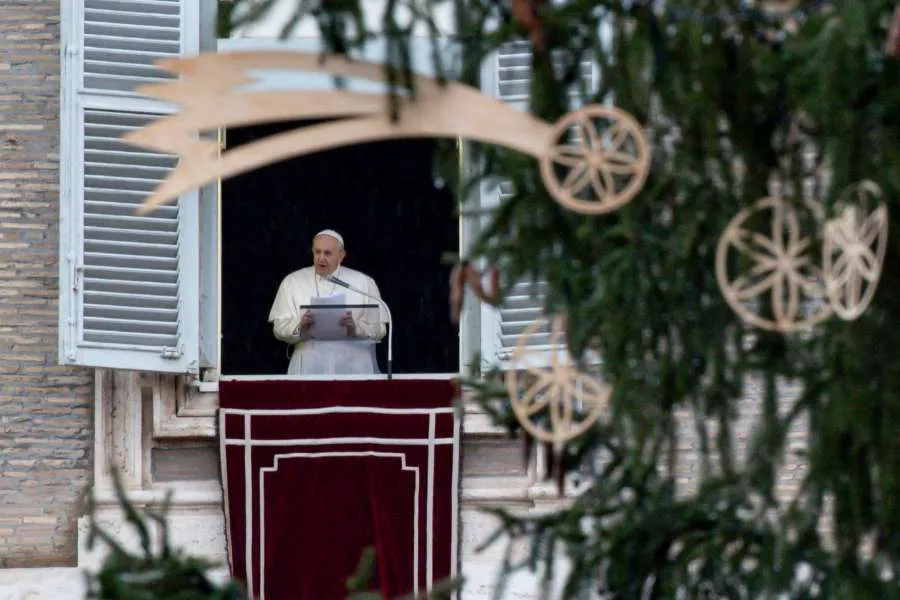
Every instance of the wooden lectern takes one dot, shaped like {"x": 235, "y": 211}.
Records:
{"x": 316, "y": 471}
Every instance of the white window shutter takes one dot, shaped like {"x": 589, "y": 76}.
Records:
{"x": 507, "y": 76}
{"x": 129, "y": 284}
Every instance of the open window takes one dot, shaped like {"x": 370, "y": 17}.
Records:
{"x": 142, "y": 292}
{"x": 396, "y": 217}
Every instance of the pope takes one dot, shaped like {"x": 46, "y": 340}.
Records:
{"x": 295, "y": 326}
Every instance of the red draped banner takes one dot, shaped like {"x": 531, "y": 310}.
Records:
{"x": 316, "y": 471}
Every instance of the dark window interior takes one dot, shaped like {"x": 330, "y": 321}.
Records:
{"x": 397, "y": 225}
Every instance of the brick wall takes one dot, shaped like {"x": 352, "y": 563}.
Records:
{"x": 45, "y": 433}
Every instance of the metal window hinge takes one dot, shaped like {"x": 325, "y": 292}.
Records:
{"x": 171, "y": 353}
{"x": 77, "y": 277}
{"x": 71, "y": 306}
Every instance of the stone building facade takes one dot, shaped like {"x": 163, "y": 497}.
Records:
{"x": 45, "y": 409}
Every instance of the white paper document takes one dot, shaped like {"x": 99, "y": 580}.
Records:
{"x": 327, "y": 325}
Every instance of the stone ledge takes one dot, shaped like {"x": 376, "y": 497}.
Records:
{"x": 25, "y": 559}
{"x": 42, "y": 584}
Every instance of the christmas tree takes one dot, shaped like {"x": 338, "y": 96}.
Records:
{"x": 733, "y": 244}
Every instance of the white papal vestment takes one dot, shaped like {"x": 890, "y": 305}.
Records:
{"x": 356, "y": 356}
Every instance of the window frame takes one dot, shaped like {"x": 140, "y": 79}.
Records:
{"x": 199, "y": 215}
{"x": 375, "y": 52}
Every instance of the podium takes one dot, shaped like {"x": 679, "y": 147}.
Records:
{"x": 331, "y": 332}
{"x": 315, "y": 471}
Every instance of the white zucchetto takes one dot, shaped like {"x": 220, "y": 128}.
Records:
{"x": 332, "y": 233}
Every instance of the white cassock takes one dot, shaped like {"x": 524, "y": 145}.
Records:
{"x": 356, "y": 356}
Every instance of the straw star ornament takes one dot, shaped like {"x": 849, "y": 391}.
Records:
{"x": 598, "y": 174}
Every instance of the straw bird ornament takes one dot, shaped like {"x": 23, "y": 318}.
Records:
{"x": 598, "y": 169}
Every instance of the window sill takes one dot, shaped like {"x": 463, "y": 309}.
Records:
{"x": 206, "y": 387}
{"x": 212, "y": 387}
{"x": 539, "y": 358}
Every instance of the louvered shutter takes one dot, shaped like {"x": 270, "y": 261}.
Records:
{"x": 508, "y": 78}
{"x": 129, "y": 285}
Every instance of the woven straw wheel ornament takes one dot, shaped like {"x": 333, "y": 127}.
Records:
{"x": 557, "y": 389}
{"x": 598, "y": 162}
{"x": 854, "y": 249}
{"x": 780, "y": 287}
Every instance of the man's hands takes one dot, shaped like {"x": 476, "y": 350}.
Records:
{"x": 307, "y": 320}
{"x": 348, "y": 322}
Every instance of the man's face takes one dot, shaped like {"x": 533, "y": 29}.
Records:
{"x": 327, "y": 255}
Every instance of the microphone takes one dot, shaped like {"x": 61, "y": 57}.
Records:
{"x": 343, "y": 283}
{"x": 390, "y": 356}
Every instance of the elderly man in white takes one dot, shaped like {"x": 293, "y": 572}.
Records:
{"x": 364, "y": 326}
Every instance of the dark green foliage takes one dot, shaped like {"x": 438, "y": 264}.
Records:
{"x": 806, "y": 97}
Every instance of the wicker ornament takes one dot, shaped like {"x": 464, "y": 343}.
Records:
{"x": 555, "y": 390}
{"x": 854, "y": 249}
{"x": 604, "y": 168}
{"x": 212, "y": 92}
{"x": 782, "y": 289}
